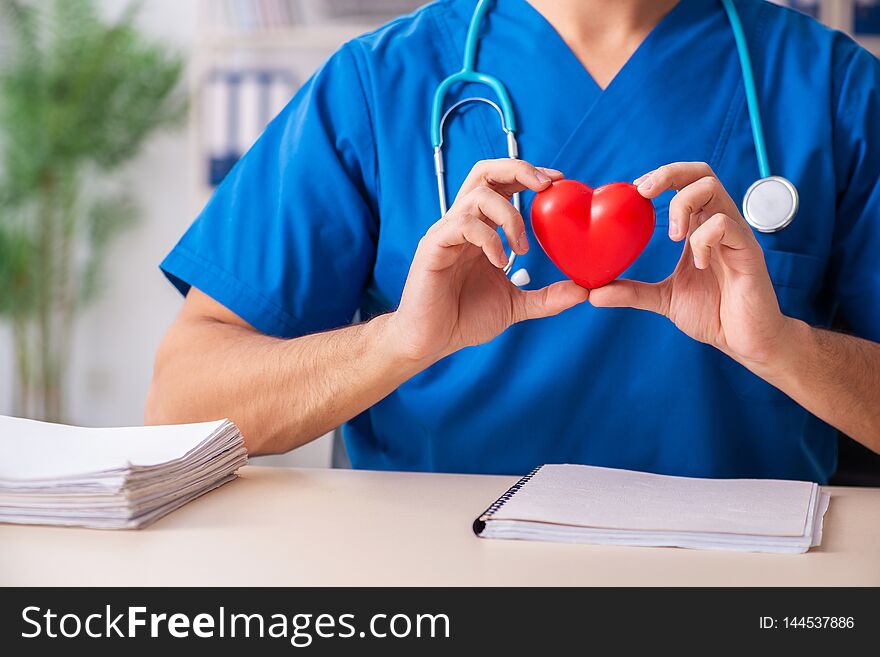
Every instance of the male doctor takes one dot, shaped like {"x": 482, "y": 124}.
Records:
{"x": 724, "y": 368}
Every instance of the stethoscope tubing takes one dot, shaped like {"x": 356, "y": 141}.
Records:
{"x": 504, "y": 108}
{"x": 748, "y": 74}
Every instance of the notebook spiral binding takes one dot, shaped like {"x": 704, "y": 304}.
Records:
{"x": 480, "y": 523}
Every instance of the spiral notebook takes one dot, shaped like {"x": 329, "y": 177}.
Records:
{"x": 588, "y": 504}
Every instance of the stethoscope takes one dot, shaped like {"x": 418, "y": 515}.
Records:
{"x": 770, "y": 203}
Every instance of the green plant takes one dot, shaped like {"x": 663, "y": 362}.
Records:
{"x": 78, "y": 98}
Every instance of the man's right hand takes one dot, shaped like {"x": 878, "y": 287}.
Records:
{"x": 456, "y": 294}
{"x": 282, "y": 393}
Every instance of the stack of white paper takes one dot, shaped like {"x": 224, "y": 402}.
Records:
{"x": 110, "y": 478}
{"x": 584, "y": 504}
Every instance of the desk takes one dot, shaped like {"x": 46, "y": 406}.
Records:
{"x": 299, "y": 527}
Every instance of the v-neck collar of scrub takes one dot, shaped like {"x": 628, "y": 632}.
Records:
{"x": 584, "y": 114}
{"x": 565, "y": 70}
{"x": 551, "y": 34}
{"x": 642, "y": 67}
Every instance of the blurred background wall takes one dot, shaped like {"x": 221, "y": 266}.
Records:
{"x": 116, "y": 337}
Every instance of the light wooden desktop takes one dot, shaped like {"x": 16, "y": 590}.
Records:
{"x": 300, "y": 527}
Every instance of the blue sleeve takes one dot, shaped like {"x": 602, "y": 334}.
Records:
{"x": 288, "y": 240}
{"x": 854, "y": 266}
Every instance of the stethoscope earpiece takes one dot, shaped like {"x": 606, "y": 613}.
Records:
{"x": 520, "y": 278}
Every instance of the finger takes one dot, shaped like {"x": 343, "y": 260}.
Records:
{"x": 498, "y": 211}
{"x": 706, "y": 195}
{"x": 638, "y": 181}
{"x": 629, "y": 294}
{"x": 554, "y": 174}
{"x": 462, "y": 228}
{"x": 672, "y": 176}
{"x": 508, "y": 176}
{"x": 718, "y": 230}
{"x": 550, "y": 300}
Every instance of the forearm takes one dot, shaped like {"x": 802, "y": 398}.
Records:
{"x": 281, "y": 393}
{"x": 834, "y": 376}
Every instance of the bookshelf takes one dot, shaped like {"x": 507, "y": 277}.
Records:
{"x": 322, "y": 36}
{"x": 858, "y": 18}
{"x": 275, "y": 42}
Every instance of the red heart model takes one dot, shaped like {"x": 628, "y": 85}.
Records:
{"x": 592, "y": 235}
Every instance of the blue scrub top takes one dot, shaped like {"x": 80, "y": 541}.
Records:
{"x": 322, "y": 217}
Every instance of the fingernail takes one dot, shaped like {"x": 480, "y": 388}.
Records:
{"x": 646, "y": 184}
{"x": 542, "y": 177}
{"x": 638, "y": 181}
{"x": 523, "y": 242}
{"x": 550, "y": 172}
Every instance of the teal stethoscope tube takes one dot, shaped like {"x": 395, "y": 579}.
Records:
{"x": 468, "y": 73}
{"x": 748, "y": 73}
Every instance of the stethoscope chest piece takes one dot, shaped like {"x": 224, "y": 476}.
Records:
{"x": 770, "y": 204}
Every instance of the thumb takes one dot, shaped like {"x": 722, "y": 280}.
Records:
{"x": 629, "y": 294}
{"x": 550, "y": 300}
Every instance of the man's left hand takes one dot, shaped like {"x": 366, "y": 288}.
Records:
{"x": 720, "y": 292}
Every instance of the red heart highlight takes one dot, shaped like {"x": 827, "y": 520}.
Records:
{"x": 592, "y": 235}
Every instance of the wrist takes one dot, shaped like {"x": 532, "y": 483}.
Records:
{"x": 784, "y": 359}
{"x": 393, "y": 347}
